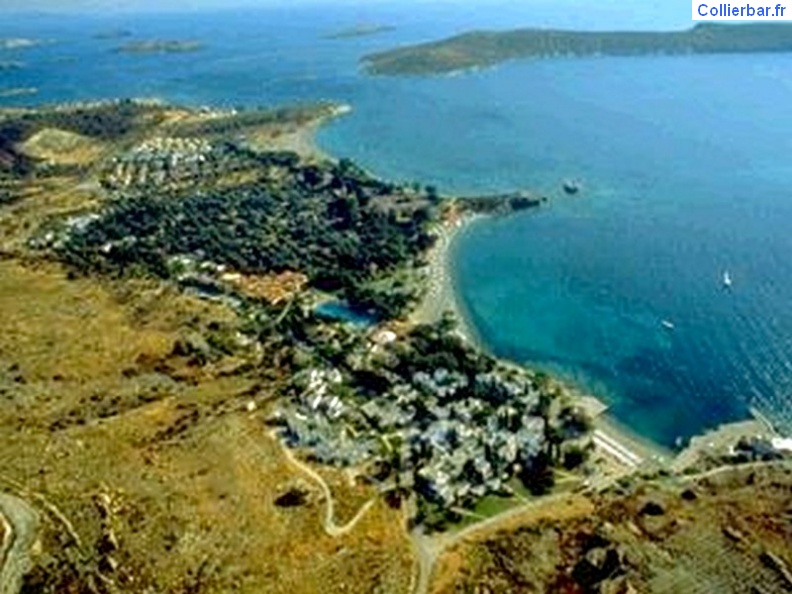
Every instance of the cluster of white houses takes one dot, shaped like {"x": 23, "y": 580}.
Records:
{"x": 164, "y": 161}
{"x": 450, "y": 439}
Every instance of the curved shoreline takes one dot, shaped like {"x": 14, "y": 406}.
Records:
{"x": 302, "y": 140}
{"x": 441, "y": 295}
{"x": 627, "y": 448}
{"x": 617, "y": 441}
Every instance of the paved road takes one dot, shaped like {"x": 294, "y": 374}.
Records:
{"x": 21, "y": 521}
{"x": 428, "y": 549}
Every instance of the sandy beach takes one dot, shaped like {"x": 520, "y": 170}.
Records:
{"x": 302, "y": 139}
{"x": 440, "y": 296}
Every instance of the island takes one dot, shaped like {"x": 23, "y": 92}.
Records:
{"x": 183, "y": 412}
{"x": 481, "y": 49}
{"x": 362, "y": 30}
{"x": 160, "y": 46}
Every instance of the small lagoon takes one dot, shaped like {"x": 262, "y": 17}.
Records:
{"x": 340, "y": 312}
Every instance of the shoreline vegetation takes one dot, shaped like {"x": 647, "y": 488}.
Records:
{"x": 482, "y": 49}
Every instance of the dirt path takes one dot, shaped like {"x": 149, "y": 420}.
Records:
{"x": 426, "y": 550}
{"x": 20, "y": 522}
{"x": 329, "y": 525}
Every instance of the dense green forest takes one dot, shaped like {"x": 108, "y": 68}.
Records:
{"x": 108, "y": 121}
{"x": 486, "y": 48}
{"x": 338, "y": 226}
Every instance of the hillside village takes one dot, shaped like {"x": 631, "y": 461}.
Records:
{"x": 452, "y": 431}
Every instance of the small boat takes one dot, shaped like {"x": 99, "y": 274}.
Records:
{"x": 572, "y": 186}
{"x": 667, "y": 324}
{"x": 727, "y": 281}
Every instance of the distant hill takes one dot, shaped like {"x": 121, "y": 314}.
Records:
{"x": 479, "y": 49}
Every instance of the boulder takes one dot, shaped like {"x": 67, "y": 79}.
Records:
{"x": 652, "y": 508}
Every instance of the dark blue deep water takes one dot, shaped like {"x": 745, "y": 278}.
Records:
{"x": 685, "y": 163}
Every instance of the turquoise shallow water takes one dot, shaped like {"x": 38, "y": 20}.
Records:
{"x": 684, "y": 161}
{"x": 686, "y": 174}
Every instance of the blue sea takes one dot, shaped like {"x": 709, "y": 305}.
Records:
{"x": 684, "y": 163}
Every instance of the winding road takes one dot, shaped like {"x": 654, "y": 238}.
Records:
{"x": 20, "y": 523}
{"x": 330, "y": 527}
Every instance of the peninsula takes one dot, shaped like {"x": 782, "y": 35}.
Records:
{"x": 481, "y": 49}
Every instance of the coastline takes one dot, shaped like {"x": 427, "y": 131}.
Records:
{"x": 619, "y": 448}
{"x": 302, "y": 139}
{"x": 440, "y": 295}
{"x": 617, "y": 442}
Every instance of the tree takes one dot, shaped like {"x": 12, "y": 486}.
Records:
{"x": 575, "y": 456}
{"x": 537, "y": 475}
{"x": 432, "y": 195}
{"x": 574, "y": 422}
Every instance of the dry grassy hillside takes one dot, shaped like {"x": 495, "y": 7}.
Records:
{"x": 141, "y": 445}
{"x": 161, "y": 469}
{"x": 729, "y": 532}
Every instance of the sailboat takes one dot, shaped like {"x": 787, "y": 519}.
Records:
{"x": 667, "y": 324}
{"x": 727, "y": 281}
